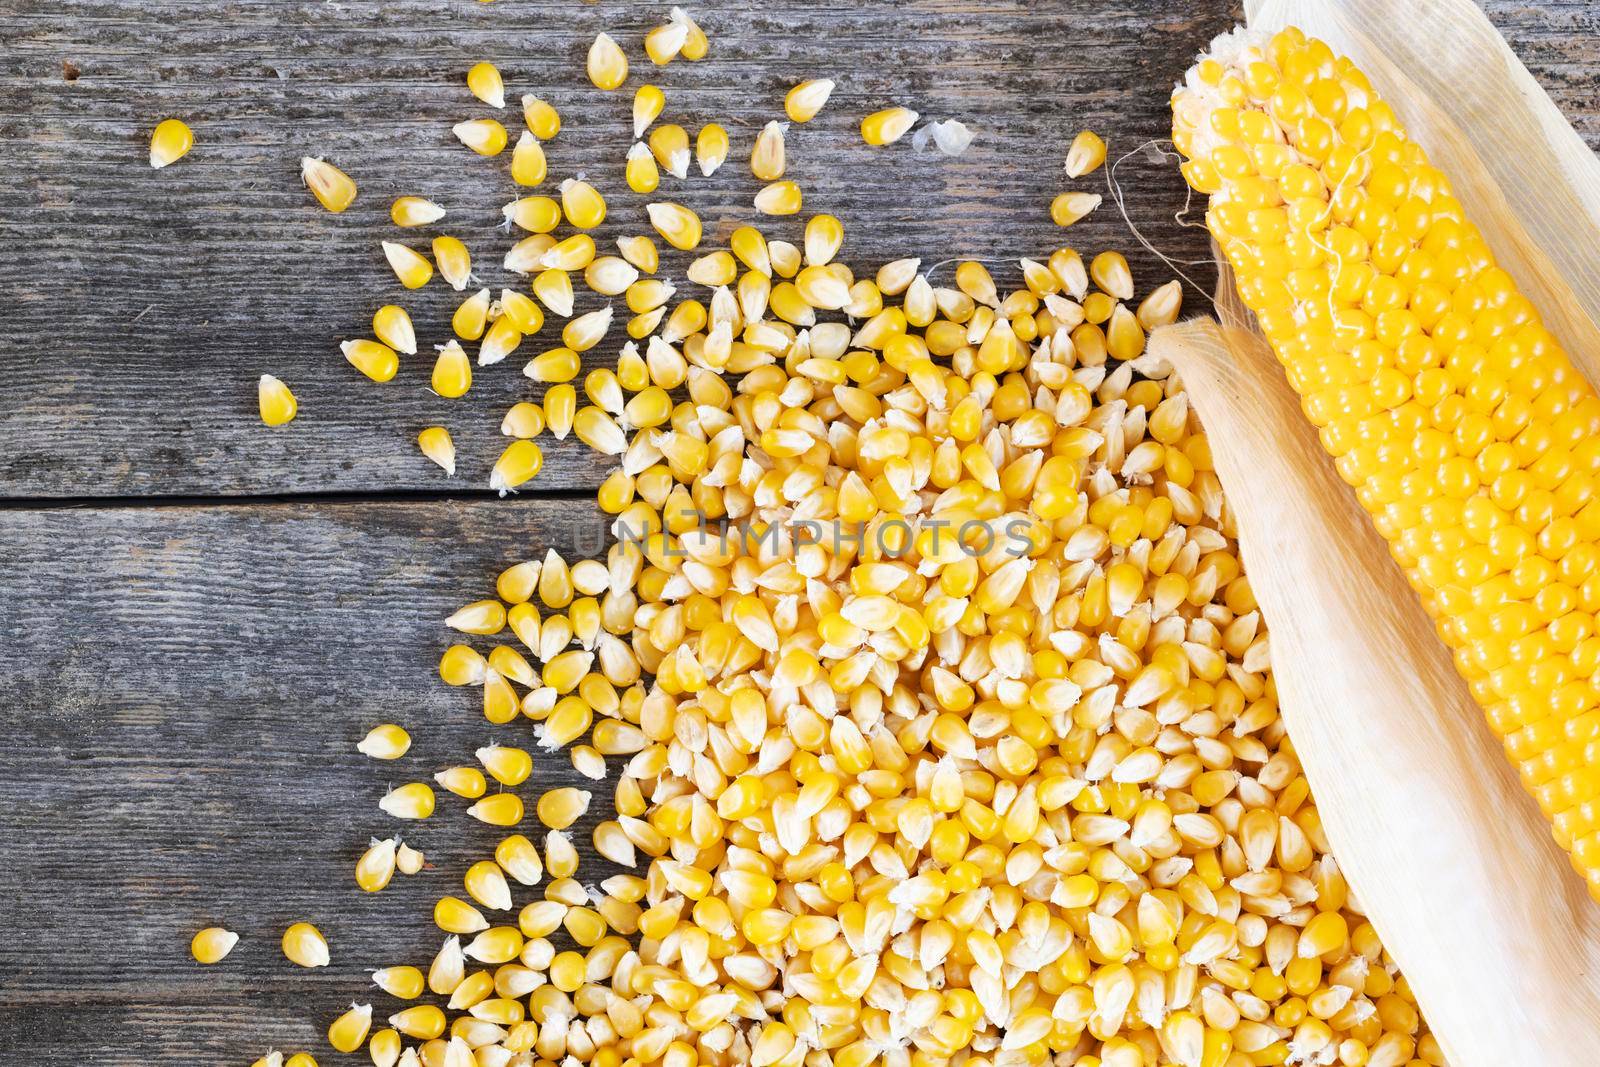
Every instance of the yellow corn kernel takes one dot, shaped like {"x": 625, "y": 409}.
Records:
{"x": 1070, "y": 207}
{"x": 410, "y": 266}
{"x": 376, "y": 866}
{"x": 553, "y": 287}
{"x": 1109, "y": 270}
{"x": 170, "y": 141}
{"x": 887, "y": 126}
{"x": 555, "y": 365}
{"x": 669, "y": 143}
{"x": 779, "y": 198}
{"x": 528, "y": 164}
{"x": 583, "y": 206}
{"x": 560, "y": 406}
{"x": 485, "y": 83}
{"x": 465, "y": 782}
{"x": 640, "y": 252}
{"x": 301, "y": 1059}
{"x": 1088, "y": 151}
{"x": 518, "y": 464}
{"x": 385, "y": 741}
{"x": 640, "y": 171}
{"x": 414, "y": 211}
{"x": 1161, "y": 306}
{"x": 544, "y": 122}
{"x": 648, "y": 103}
{"x": 376, "y": 360}
{"x": 587, "y": 330}
{"x": 423, "y": 1022}
{"x": 212, "y": 944}
{"x": 413, "y": 800}
{"x": 679, "y": 226}
{"x": 599, "y": 431}
{"x": 520, "y": 310}
{"x": 408, "y": 860}
{"x": 610, "y": 275}
{"x": 767, "y": 157}
{"x": 824, "y": 236}
{"x": 803, "y": 102}
{"x": 305, "y": 946}
{"x": 499, "y": 341}
{"x": 607, "y": 66}
{"x": 452, "y": 371}
{"x": 560, "y": 808}
{"x": 517, "y": 856}
{"x": 461, "y": 665}
{"x": 393, "y": 326}
{"x": 711, "y": 148}
{"x": 509, "y": 766}
{"x": 523, "y": 420}
{"x": 454, "y": 261}
{"x": 663, "y": 43}
{"x": 487, "y": 137}
{"x": 275, "y": 402}
{"x": 717, "y": 268}
{"x": 471, "y": 316}
{"x": 349, "y": 1031}
{"x": 403, "y": 983}
{"x": 332, "y": 187}
{"x": 499, "y": 809}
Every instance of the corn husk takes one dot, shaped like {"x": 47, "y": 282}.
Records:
{"x": 1446, "y": 853}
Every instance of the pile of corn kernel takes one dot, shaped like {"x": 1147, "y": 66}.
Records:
{"x": 989, "y": 771}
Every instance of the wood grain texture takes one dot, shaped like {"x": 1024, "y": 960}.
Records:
{"x": 185, "y": 688}
{"x": 141, "y": 306}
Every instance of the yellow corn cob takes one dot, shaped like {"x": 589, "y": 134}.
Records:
{"x": 1469, "y": 436}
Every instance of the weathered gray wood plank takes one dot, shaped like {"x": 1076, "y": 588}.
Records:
{"x": 141, "y": 306}
{"x": 184, "y": 690}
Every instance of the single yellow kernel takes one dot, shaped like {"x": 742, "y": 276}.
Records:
{"x": 452, "y": 371}
{"x": 414, "y": 800}
{"x": 304, "y": 945}
{"x": 711, "y": 148}
{"x": 332, "y": 187}
{"x": 213, "y": 944}
{"x": 519, "y": 463}
{"x": 1088, "y": 151}
{"x": 487, "y": 137}
{"x": 376, "y": 360}
{"x": 485, "y": 83}
{"x": 276, "y": 403}
{"x": 385, "y": 741}
{"x": 543, "y": 120}
{"x": 528, "y": 163}
{"x": 455, "y": 262}
{"x": 414, "y": 211}
{"x": 1070, "y": 207}
{"x": 779, "y": 198}
{"x": 170, "y": 142}
{"x": 648, "y": 103}
{"x": 803, "y": 102}
{"x": 349, "y": 1031}
{"x": 436, "y": 444}
{"x": 607, "y": 65}
{"x": 393, "y": 326}
{"x": 410, "y": 266}
{"x": 678, "y": 225}
{"x": 887, "y": 126}
{"x": 583, "y": 206}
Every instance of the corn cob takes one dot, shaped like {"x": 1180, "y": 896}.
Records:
{"x": 1469, "y": 436}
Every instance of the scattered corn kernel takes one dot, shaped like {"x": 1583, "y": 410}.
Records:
{"x": 803, "y": 102}
{"x": 887, "y": 126}
{"x": 305, "y": 946}
{"x": 213, "y": 944}
{"x": 414, "y": 800}
{"x": 436, "y": 444}
{"x": 393, "y": 327}
{"x": 385, "y": 741}
{"x": 484, "y": 136}
{"x": 332, "y": 187}
{"x": 409, "y": 265}
{"x": 452, "y": 371}
{"x": 414, "y": 211}
{"x": 543, "y": 120}
{"x": 376, "y": 360}
{"x": 1088, "y": 151}
{"x": 518, "y": 464}
{"x": 607, "y": 66}
{"x": 275, "y": 402}
{"x": 779, "y": 198}
{"x": 170, "y": 142}
{"x": 485, "y": 83}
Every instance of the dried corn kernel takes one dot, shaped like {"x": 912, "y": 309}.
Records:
{"x": 170, "y": 141}
{"x": 377, "y": 361}
{"x": 711, "y": 148}
{"x": 275, "y": 402}
{"x": 887, "y": 126}
{"x": 485, "y": 83}
{"x": 803, "y": 102}
{"x": 484, "y": 136}
{"x": 414, "y": 800}
{"x": 332, "y": 187}
{"x": 528, "y": 164}
{"x": 436, "y": 444}
{"x": 414, "y": 211}
{"x": 305, "y": 946}
{"x": 212, "y": 944}
{"x": 519, "y": 463}
{"x": 409, "y": 265}
{"x": 544, "y": 122}
{"x": 385, "y": 741}
{"x": 392, "y": 325}
{"x": 607, "y": 66}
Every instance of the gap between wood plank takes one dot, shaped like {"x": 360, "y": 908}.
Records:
{"x": 398, "y": 496}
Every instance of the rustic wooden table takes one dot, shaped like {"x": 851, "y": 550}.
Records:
{"x": 199, "y": 617}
